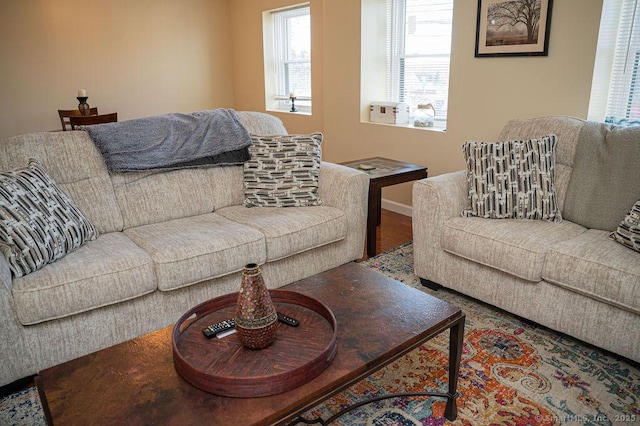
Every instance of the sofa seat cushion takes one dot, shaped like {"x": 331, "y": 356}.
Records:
{"x": 515, "y": 246}
{"x": 109, "y": 270}
{"x": 193, "y": 249}
{"x": 594, "y": 265}
{"x": 291, "y": 230}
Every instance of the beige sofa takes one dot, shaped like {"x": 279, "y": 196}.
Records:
{"x": 563, "y": 275}
{"x": 168, "y": 240}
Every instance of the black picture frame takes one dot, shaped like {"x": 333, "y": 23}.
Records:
{"x": 513, "y": 28}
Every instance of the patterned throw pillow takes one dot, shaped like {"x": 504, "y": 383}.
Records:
{"x": 512, "y": 180}
{"x": 283, "y": 171}
{"x": 39, "y": 224}
{"x": 628, "y": 232}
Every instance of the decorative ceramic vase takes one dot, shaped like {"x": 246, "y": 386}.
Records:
{"x": 256, "y": 316}
{"x": 83, "y": 106}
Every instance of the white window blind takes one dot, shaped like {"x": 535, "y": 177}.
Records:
{"x": 419, "y": 50}
{"x": 615, "y": 95}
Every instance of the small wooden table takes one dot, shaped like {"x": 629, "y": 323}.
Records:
{"x": 384, "y": 172}
{"x": 378, "y": 320}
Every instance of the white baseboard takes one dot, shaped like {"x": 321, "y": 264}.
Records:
{"x": 395, "y": 207}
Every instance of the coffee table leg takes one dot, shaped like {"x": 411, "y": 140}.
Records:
{"x": 456, "y": 340}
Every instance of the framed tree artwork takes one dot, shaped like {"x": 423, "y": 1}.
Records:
{"x": 513, "y": 28}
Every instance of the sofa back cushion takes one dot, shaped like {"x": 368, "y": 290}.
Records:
{"x": 74, "y": 163}
{"x": 158, "y": 196}
{"x": 260, "y": 123}
{"x": 605, "y": 181}
{"x": 151, "y": 197}
{"x": 567, "y": 130}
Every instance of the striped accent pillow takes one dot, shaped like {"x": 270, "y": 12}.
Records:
{"x": 628, "y": 232}
{"x": 512, "y": 180}
{"x": 283, "y": 171}
{"x": 39, "y": 224}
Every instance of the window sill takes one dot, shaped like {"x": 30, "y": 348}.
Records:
{"x": 437, "y": 127}
{"x": 286, "y": 111}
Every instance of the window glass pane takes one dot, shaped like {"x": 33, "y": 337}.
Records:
{"x": 298, "y": 78}
{"x": 426, "y": 80}
{"x": 428, "y": 27}
{"x": 298, "y": 55}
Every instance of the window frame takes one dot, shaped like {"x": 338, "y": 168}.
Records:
{"x": 277, "y": 61}
{"x": 390, "y": 17}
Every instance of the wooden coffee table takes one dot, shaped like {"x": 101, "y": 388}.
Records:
{"x": 383, "y": 172}
{"x": 135, "y": 382}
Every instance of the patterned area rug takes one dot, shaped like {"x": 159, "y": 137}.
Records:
{"x": 512, "y": 373}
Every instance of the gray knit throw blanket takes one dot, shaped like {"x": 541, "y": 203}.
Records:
{"x": 176, "y": 140}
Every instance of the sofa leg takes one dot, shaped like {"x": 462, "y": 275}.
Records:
{"x": 430, "y": 284}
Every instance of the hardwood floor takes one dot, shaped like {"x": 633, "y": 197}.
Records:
{"x": 394, "y": 230}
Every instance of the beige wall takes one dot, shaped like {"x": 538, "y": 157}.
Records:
{"x": 484, "y": 92}
{"x": 134, "y": 57}
{"x": 145, "y": 57}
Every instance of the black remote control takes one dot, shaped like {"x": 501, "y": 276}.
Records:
{"x": 288, "y": 320}
{"x": 214, "y": 329}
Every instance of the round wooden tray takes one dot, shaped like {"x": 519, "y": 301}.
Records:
{"x": 225, "y": 367}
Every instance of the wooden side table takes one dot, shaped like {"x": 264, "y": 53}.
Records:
{"x": 383, "y": 172}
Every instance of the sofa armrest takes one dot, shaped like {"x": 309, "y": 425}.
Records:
{"x": 347, "y": 189}
{"x": 337, "y": 181}
{"x": 435, "y": 200}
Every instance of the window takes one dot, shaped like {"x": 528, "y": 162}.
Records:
{"x": 615, "y": 92}
{"x": 417, "y": 51}
{"x": 287, "y": 35}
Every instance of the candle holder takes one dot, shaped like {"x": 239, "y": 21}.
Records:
{"x": 293, "y": 104}
{"x": 83, "y": 106}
